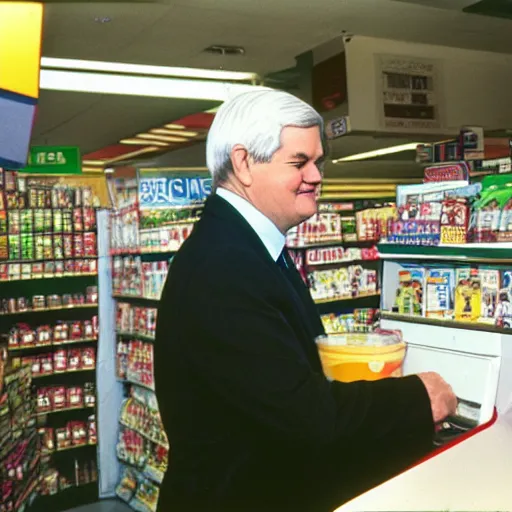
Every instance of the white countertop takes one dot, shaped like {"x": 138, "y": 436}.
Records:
{"x": 474, "y": 475}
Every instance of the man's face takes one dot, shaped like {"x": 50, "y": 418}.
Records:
{"x": 286, "y": 189}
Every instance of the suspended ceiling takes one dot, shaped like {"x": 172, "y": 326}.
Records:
{"x": 273, "y": 33}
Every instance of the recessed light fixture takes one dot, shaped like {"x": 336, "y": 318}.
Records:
{"x": 93, "y": 162}
{"x": 163, "y": 138}
{"x": 175, "y": 126}
{"x": 109, "y": 170}
{"x": 140, "y": 142}
{"x": 180, "y": 133}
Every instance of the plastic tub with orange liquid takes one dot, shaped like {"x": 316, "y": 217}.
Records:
{"x": 350, "y": 357}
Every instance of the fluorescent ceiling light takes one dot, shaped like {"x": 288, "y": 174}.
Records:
{"x": 163, "y": 138}
{"x": 165, "y": 131}
{"x": 140, "y": 86}
{"x": 93, "y": 162}
{"x": 379, "y": 152}
{"x": 175, "y": 126}
{"x": 143, "y": 69}
{"x": 140, "y": 142}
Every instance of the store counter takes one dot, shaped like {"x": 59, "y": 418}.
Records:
{"x": 472, "y": 473}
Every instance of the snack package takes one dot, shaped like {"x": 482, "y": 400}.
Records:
{"x": 47, "y": 439}
{"x": 75, "y": 397}
{"x": 439, "y": 293}
{"x": 88, "y": 359}
{"x": 59, "y": 398}
{"x": 44, "y": 401}
{"x": 468, "y": 295}
{"x": 503, "y": 314}
{"x": 409, "y": 294}
{"x": 490, "y": 288}
{"x": 60, "y": 361}
{"x": 74, "y": 360}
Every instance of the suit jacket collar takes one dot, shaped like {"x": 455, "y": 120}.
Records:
{"x": 268, "y": 232}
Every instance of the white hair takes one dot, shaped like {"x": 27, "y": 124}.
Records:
{"x": 255, "y": 120}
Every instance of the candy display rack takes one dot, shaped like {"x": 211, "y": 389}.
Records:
{"x": 19, "y": 443}
{"x": 49, "y": 323}
{"x": 336, "y": 255}
{"x": 143, "y": 243}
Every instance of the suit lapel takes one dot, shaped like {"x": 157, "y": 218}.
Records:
{"x": 302, "y": 305}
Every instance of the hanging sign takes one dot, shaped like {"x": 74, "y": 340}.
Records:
{"x": 337, "y": 127}
{"x": 447, "y": 172}
{"x": 172, "y": 189}
{"x": 53, "y": 160}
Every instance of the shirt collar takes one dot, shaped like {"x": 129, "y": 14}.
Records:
{"x": 267, "y": 231}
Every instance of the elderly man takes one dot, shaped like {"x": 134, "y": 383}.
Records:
{"x": 252, "y": 421}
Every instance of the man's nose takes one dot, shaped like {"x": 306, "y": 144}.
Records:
{"x": 312, "y": 174}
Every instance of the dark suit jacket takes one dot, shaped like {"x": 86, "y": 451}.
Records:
{"x": 252, "y": 422}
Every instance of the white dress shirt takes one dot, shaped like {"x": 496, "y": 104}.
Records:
{"x": 271, "y": 237}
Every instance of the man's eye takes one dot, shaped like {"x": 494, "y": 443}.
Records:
{"x": 299, "y": 165}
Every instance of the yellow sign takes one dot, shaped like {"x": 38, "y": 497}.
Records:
{"x": 20, "y": 47}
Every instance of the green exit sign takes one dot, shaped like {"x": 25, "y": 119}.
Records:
{"x": 53, "y": 160}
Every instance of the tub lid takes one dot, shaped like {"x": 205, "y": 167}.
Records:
{"x": 378, "y": 338}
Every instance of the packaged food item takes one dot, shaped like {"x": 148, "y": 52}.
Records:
{"x": 89, "y": 394}
{"x": 44, "y": 401}
{"x": 439, "y": 298}
{"x": 78, "y": 245}
{"x": 89, "y": 245}
{"x": 14, "y": 242}
{"x": 490, "y": 288}
{"x": 46, "y": 364}
{"x": 74, "y": 360}
{"x": 47, "y": 220}
{"x": 58, "y": 247}
{"x": 61, "y": 361}
{"x": 47, "y": 439}
{"x": 57, "y": 221}
{"x": 59, "y": 397}
{"x": 63, "y": 438}
{"x": 88, "y": 359}
{"x": 75, "y": 397}
{"x": 409, "y": 295}
{"x": 468, "y": 295}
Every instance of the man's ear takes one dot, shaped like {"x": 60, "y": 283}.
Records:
{"x": 240, "y": 161}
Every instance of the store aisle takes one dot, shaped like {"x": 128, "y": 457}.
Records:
{"x": 104, "y": 506}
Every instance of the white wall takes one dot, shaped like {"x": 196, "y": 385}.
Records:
{"x": 474, "y": 86}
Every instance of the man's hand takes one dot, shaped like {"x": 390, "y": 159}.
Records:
{"x": 442, "y": 398}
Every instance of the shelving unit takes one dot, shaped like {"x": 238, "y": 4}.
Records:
{"x": 475, "y": 365}
{"x": 49, "y": 321}
{"x": 335, "y": 252}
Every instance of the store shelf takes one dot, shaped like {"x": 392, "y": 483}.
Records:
{"x": 340, "y": 243}
{"x": 77, "y": 447}
{"x": 343, "y": 262}
{"x": 54, "y": 344}
{"x": 43, "y": 277}
{"x": 48, "y": 310}
{"x": 346, "y": 299}
{"x": 67, "y": 409}
{"x": 67, "y": 372}
{"x": 134, "y": 335}
{"x": 139, "y": 298}
{"x": 134, "y": 383}
{"x": 453, "y": 324}
{"x": 143, "y": 434}
{"x": 476, "y": 253}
